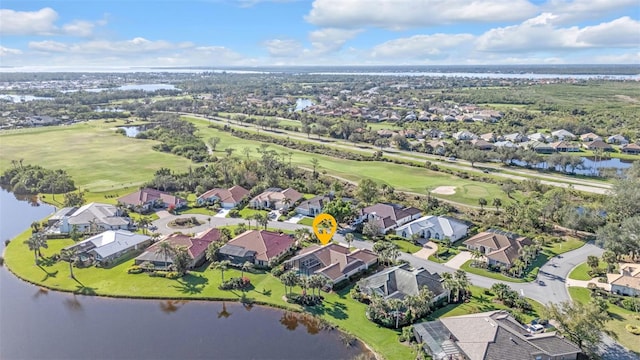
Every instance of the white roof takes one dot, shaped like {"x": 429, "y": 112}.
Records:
{"x": 111, "y": 242}
{"x": 441, "y": 224}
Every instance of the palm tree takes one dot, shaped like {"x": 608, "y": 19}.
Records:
{"x": 290, "y": 279}
{"x": 263, "y": 220}
{"x": 482, "y": 202}
{"x": 476, "y": 255}
{"x": 34, "y": 243}
{"x": 463, "y": 283}
{"x": 349, "y": 237}
{"x": 301, "y": 234}
{"x": 212, "y": 251}
{"x": 247, "y": 266}
{"x": 222, "y": 266}
{"x": 501, "y": 290}
{"x": 609, "y": 257}
{"x": 166, "y": 250}
{"x": 450, "y": 284}
{"x": 71, "y": 254}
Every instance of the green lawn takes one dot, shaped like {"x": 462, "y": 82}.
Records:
{"x": 619, "y": 319}
{"x": 407, "y": 246}
{"x": 338, "y": 308}
{"x": 308, "y": 221}
{"x": 581, "y": 272}
{"x": 248, "y": 212}
{"x": 98, "y": 159}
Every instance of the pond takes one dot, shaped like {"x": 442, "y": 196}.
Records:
{"x": 590, "y": 166}
{"x": 39, "y": 324}
{"x": 133, "y": 131}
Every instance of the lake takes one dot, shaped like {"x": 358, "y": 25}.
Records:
{"x": 590, "y": 166}
{"x": 302, "y": 104}
{"x": 41, "y": 324}
{"x": 22, "y": 98}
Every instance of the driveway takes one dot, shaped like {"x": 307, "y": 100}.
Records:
{"x": 295, "y": 219}
{"x": 427, "y": 250}
{"x": 457, "y": 261}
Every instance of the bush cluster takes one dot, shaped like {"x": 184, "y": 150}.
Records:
{"x": 135, "y": 270}
{"x": 235, "y": 283}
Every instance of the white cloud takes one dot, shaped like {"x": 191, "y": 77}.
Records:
{"x": 628, "y": 58}
{"x": 330, "y": 40}
{"x": 283, "y": 47}
{"x": 402, "y": 14}
{"x": 40, "y": 22}
{"x": 423, "y": 46}
{"x": 135, "y": 45}
{"x": 568, "y": 11}
{"x": 4, "y": 51}
{"x": 43, "y": 22}
{"x": 540, "y": 34}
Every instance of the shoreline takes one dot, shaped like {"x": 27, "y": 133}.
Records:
{"x": 365, "y": 345}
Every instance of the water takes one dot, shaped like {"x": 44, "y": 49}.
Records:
{"x": 148, "y": 87}
{"x": 302, "y": 104}
{"x": 108, "y": 109}
{"x": 132, "y": 131}
{"x": 590, "y": 166}
{"x": 40, "y": 324}
{"x": 22, "y": 98}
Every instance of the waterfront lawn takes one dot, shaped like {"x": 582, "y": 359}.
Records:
{"x": 339, "y": 308}
{"x": 581, "y": 272}
{"x": 619, "y": 319}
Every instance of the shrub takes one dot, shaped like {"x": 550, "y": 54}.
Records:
{"x": 234, "y": 213}
{"x": 1, "y": 261}
{"x": 277, "y": 271}
{"x": 135, "y": 270}
{"x": 235, "y": 283}
{"x": 630, "y": 304}
{"x": 304, "y": 300}
{"x": 173, "y": 275}
{"x": 158, "y": 273}
{"x": 7, "y": 242}
{"x": 635, "y": 330}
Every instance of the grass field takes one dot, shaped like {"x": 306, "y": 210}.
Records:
{"x": 95, "y": 156}
{"x": 581, "y": 272}
{"x": 401, "y": 177}
{"x": 619, "y": 319}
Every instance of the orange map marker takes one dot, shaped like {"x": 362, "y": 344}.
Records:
{"x": 324, "y": 226}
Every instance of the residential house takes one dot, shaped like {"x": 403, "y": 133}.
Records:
{"x": 43, "y": 120}
{"x": 92, "y": 218}
{"x": 388, "y": 216}
{"x": 464, "y": 135}
{"x": 109, "y": 246}
{"x": 501, "y": 248}
{"x": 481, "y": 144}
{"x": 260, "y": 247}
{"x": 335, "y": 262}
{"x": 564, "y": 146}
{"x": 538, "y": 137}
{"x": 627, "y": 282}
{"x": 589, "y": 137}
{"x": 617, "y": 139}
{"x": 148, "y": 199}
{"x": 400, "y": 281}
{"x": 490, "y": 335}
{"x": 516, "y": 137}
{"x": 434, "y": 227}
{"x": 275, "y": 198}
{"x": 314, "y": 206}
{"x": 196, "y": 248}
{"x": 563, "y": 134}
{"x": 539, "y": 147}
{"x": 490, "y": 137}
{"x": 228, "y": 198}
{"x": 631, "y": 149}
{"x": 506, "y": 144}
{"x": 598, "y": 145}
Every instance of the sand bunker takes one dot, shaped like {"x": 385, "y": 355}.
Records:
{"x": 444, "y": 190}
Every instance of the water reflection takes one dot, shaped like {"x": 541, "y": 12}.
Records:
{"x": 171, "y": 306}
{"x": 40, "y": 292}
{"x": 290, "y": 320}
{"x": 73, "y": 304}
{"x": 30, "y": 199}
{"x": 224, "y": 313}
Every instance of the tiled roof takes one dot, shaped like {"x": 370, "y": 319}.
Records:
{"x": 504, "y": 247}
{"x": 146, "y": 195}
{"x": 335, "y": 260}
{"x": 233, "y": 194}
{"x": 266, "y": 244}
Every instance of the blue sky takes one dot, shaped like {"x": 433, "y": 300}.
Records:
{"x": 317, "y": 32}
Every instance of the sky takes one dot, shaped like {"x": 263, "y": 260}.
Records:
{"x": 125, "y": 33}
